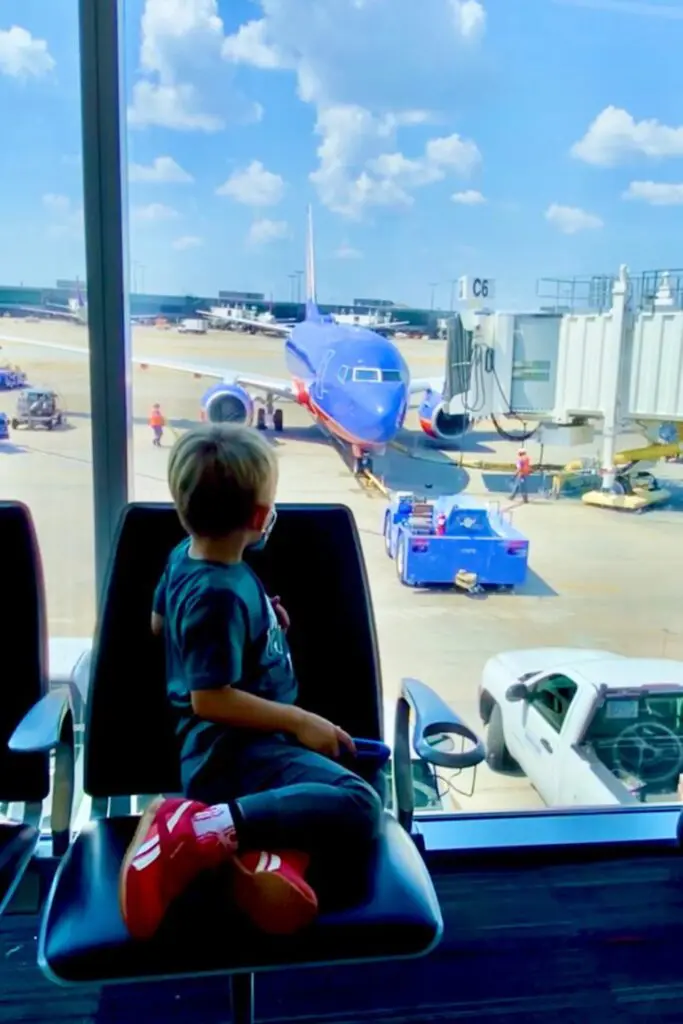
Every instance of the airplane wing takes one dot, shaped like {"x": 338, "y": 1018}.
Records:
{"x": 420, "y": 384}
{"x": 261, "y": 325}
{"x": 271, "y": 385}
{"x": 43, "y": 311}
{"x": 388, "y": 328}
{"x": 275, "y": 386}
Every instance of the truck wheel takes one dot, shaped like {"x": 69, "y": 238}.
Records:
{"x": 497, "y": 754}
{"x": 387, "y": 533}
{"x": 401, "y": 562}
{"x": 15, "y": 424}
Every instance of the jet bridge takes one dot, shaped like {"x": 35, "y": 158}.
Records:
{"x": 618, "y": 369}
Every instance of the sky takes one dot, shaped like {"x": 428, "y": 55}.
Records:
{"x": 512, "y": 139}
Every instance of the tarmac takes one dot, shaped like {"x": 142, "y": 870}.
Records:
{"x": 597, "y": 578}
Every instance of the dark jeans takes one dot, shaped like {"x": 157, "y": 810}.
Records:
{"x": 520, "y": 485}
{"x": 284, "y": 796}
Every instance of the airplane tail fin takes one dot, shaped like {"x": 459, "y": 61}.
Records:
{"x": 312, "y": 311}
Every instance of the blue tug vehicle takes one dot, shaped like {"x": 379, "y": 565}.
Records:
{"x": 454, "y": 540}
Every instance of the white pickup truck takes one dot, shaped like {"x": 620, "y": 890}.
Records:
{"x": 586, "y": 727}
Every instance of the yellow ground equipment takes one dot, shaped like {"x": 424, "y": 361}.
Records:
{"x": 635, "y": 488}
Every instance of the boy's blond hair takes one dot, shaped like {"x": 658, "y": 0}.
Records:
{"x": 217, "y": 474}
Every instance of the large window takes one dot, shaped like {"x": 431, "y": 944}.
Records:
{"x": 46, "y": 460}
{"x": 45, "y": 425}
{"x": 434, "y": 142}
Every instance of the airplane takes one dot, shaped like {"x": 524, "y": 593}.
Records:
{"x": 76, "y": 310}
{"x": 241, "y": 317}
{"x": 375, "y": 321}
{"x": 353, "y": 381}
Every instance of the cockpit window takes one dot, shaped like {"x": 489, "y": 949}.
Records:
{"x": 343, "y": 374}
{"x": 365, "y": 374}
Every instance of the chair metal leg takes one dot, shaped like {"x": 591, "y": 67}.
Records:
{"x": 242, "y": 998}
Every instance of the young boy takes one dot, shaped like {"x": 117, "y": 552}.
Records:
{"x": 263, "y": 783}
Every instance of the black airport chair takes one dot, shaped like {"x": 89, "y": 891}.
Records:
{"x": 130, "y": 750}
{"x": 25, "y": 777}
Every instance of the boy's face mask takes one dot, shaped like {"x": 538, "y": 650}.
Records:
{"x": 267, "y": 530}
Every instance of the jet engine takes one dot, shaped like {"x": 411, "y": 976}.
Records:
{"x": 437, "y": 421}
{"x": 227, "y": 403}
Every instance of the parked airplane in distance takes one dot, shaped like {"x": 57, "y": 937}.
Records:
{"x": 76, "y": 310}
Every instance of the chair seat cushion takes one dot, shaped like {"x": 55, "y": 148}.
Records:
{"x": 83, "y": 938}
{"x": 17, "y": 844}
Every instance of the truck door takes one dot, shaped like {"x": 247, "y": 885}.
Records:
{"x": 543, "y": 720}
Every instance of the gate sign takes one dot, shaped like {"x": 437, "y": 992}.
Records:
{"x": 478, "y": 290}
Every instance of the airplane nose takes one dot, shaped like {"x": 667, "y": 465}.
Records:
{"x": 384, "y": 413}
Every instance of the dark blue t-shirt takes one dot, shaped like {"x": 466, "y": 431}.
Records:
{"x": 219, "y": 630}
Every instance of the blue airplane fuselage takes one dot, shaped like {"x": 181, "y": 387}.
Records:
{"x": 353, "y": 380}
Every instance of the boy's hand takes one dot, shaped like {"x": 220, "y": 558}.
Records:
{"x": 280, "y": 613}
{"x": 316, "y": 733}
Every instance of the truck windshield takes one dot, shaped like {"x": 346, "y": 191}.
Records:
{"x": 641, "y": 736}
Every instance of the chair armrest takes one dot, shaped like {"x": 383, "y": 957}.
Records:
{"x": 433, "y": 717}
{"x": 40, "y": 730}
{"x": 49, "y": 727}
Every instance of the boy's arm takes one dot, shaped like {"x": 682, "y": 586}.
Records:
{"x": 214, "y": 637}
{"x": 213, "y": 642}
{"x": 159, "y": 606}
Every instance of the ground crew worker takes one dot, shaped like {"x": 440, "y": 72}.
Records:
{"x": 521, "y": 477}
{"x": 157, "y": 423}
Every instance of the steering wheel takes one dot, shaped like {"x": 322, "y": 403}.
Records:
{"x": 649, "y": 750}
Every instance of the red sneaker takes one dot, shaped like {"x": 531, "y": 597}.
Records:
{"x": 269, "y": 888}
{"x": 166, "y": 854}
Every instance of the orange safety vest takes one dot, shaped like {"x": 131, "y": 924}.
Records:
{"x": 156, "y": 419}
{"x": 523, "y": 465}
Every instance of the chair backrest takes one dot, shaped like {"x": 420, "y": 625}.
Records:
{"x": 24, "y": 676}
{"x": 313, "y": 561}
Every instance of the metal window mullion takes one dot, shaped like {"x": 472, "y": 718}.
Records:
{"x": 105, "y": 214}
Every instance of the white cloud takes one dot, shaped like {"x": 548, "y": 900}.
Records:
{"x": 470, "y": 18}
{"x": 615, "y": 136}
{"x": 22, "y": 56}
{"x": 264, "y": 231}
{"x": 656, "y": 193}
{"x": 332, "y": 48}
{"x": 571, "y": 219}
{"x": 154, "y": 212}
{"x": 186, "y": 86}
{"x": 250, "y": 46}
{"x": 187, "y": 242}
{"x": 470, "y": 197}
{"x": 254, "y": 186}
{"x": 349, "y": 178}
{"x": 347, "y": 252}
{"x": 163, "y": 169}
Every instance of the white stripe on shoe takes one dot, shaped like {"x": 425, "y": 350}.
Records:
{"x": 268, "y": 862}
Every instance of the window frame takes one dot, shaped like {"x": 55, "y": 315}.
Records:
{"x": 105, "y": 215}
{"x": 555, "y": 720}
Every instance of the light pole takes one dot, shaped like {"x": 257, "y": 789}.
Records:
{"x": 454, "y": 283}
{"x": 433, "y": 285}
{"x": 299, "y": 276}
{"x": 292, "y": 279}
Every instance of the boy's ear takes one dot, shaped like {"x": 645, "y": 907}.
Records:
{"x": 259, "y": 517}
